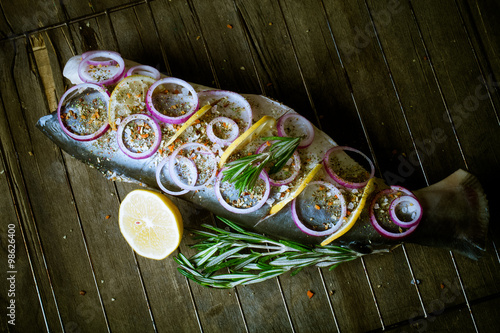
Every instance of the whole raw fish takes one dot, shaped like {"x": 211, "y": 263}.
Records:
{"x": 455, "y": 210}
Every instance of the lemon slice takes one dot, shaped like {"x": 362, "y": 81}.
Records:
{"x": 276, "y": 208}
{"x": 128, "y": 97}
{"x": 264, "y": 124}
{"x": 189, "y": 122}
{"x": 150, "y": 223}
{"x": 354, "y": 215}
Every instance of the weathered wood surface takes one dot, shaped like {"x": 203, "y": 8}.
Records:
{"x": 392, "y": 78}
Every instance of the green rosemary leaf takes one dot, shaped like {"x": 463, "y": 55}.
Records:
{"x": 296, "y": 271}
{"x": 223, "y": 256}
{"x": 251, "y": 258}
{"x": 244, "y": 172}
{"x": 295, "y": 245}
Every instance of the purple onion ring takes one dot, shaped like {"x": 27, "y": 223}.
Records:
{"x": 144, "y": 70}
{"x": 309, "y": 129}
{"x": 171, "y": 165}
{"x": 231, "y": 97}
{"x": 97, "y": 133}
{"x": 86, "y": 77}
{"x": 394, "y": 217}
{"x": 235, "y": 131}
{"x": 154, "y": 125}
{"x": 336, "y": 177}
{"x": 160, "y": 166}
{"x": 260, "y": 203}
{"x": 160, "y": 116}
{"x": 330, "y": 231}
{"x": 378, "y": 227}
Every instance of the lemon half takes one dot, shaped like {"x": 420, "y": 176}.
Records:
{"x": 128, "y": 97}
{"x": 150, "y": 223}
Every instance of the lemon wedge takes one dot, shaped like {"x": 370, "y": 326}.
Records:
{"x": 150, "y": 223}
{"x": 264, "y": 124}
{"x": 128, "y": 97}
{"x": 354, "y": 215}
{"x": 189, "y": 122}
{"x": 310, "y": 176}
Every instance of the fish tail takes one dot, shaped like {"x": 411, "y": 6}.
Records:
{"x": 456, "y": 215}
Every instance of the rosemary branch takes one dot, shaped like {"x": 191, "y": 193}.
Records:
{"x": 230, "y": 258}
{"x": 244, "y": 172}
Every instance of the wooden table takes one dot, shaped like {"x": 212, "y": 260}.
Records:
{"x": 381, "y": 76}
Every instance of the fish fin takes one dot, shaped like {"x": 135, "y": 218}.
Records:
{"x": 457, "y": 214}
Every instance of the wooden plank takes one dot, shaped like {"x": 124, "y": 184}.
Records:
{"x": 322, "y": 72}
{"x": 167, "y": 290}
{"x": 405, "y": 58}
{"x": 22, "y": 16}
{"x": 369, "y": 82}
{"x": 19, "y": 294}
{"x": 226, "y": 46}
{"x": 216, "y": 309}
{"x": 181, "y": 39}
{"x": 486, "y": 314}
{"x": 236, "y": 79}
{"x": 350, "y": 294}
{"x": 269, "y": 41}
{"x": 447, "y": 321}
{"x": 481, "y": 21}
{"x": 473, "y": 117}
{"x": 20, "y": 196}
{"x": 76, "y": 9}
{"x": 135, "y": 32}
{"x": 130, "y": 275}
{"x": 44, "y": 174}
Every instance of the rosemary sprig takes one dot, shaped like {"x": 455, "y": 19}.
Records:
{"x": 245, "y": 171}
{"x": 230, "y": 258}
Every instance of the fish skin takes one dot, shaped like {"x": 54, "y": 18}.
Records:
{"x": 455, "y": 210}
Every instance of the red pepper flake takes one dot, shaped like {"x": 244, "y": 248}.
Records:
{"x": 310, "y": 294}
{"x": 82, "y": 292}
{"x": 107, "y": 217}
{"x": 171, "y": 148}
{"x": 268, "y": 143}
{"x": 229, "y": 26}
{"x": 317, "y": 207}
{"x": 442, "y": 285}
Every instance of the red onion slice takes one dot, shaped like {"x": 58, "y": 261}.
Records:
{"x": 84, "y": 86}
{"x": 301, "y": 124}
{"x": 336, "y": 177}
{"x": 376, "y": 224}
{"x": 144, "y": 70}
{"x": 329, "y": 231}
{"x": 294, "y": 162}
{"x": 192, "y": 169}
{"x": 237, "y": 107}
{"x": 100, "y": 62}
{"x": 153, "y": 124}
{"x": 105, "y": 75}
{"x": 411, "y": 202}
{"x": 202, "y": 150}
{"x": 233, "y": 134}
{"x": 259, "y": 204}
{"x": 167, "y": 119}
